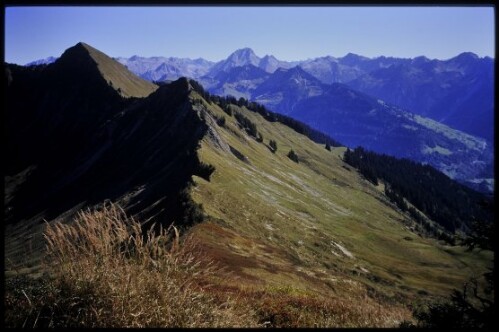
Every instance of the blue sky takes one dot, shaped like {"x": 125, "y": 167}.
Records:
{"x": 289, "y": 33}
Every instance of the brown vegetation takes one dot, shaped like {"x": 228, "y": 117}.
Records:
{"x": 107, "y": 272}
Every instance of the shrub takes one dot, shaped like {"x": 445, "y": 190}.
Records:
{"x": 273, "y": 145}
{"x": 259, "y": 137}
{"x": 246, "y": 124}
{"x": 221, "y": 121}
{"x": 227, "y": 109}
{"x": 459, "y": 312}
{"x": 293, "y": 156}
{"x": 193, "y": 213}
{"x": 238, "y": 154}
{"x": 205, "y": 170}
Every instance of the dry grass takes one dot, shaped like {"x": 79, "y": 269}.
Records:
{"x": 288, "y": 310}
{"x": 282, "y": 307}
{"x": 283, "y": 297}
{"x": 108, "y": 272}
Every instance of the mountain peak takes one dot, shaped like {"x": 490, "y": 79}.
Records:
{"x": 82, "y": 51}
{"x": 352, "y": 58}
{"x": 84, "y": 45}
{"x": 81, "y": 46}
{"x": 78, "y": 50}
{"x": 464, "y": 60}
{"x": 243, "y": 56}
{"x": 239, "y": 58}
{"x": 270, "y": 63}
{"x": 83, "y": 60}
{"x": 245, "y": 51}
{"x": 467, "y": 56}
{"x": 419, "y": 60}
{"x": 269, "y": 58}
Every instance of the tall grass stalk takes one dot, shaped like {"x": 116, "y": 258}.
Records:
{"x": 115, "y": 274}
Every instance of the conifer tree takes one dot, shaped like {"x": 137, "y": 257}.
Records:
{"x": 273, "y": 145}
{"x": 293, "y": 156}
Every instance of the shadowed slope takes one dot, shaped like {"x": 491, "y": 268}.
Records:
{"x": 311, "y": 230}
{"x": 117, "y": 75}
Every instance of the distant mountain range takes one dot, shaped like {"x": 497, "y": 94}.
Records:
{"x": 357, "y": 119}
{"x": 275, "y": 206}
{"x": 458, "y": 92}
{"x": 328, "y": 93}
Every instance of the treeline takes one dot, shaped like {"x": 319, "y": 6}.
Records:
{"x": 450, "y": 204}
{"x": 296, "y": 125}
{"x": 422, "y": 224}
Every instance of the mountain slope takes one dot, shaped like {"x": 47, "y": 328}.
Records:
{"x": 356, "y": 119}
{"x": 457, "y": 92}
{"x": 301, "y": 231}
{"x": 59, "y": 102}
{"x": 90, "y": 145}
{"x": 238, "y": 81}
{"x": 45, "y": 61}
{"x": 288, "y": 222}
{"x": 348, "y": 68}
{"x": 270, "y": 64}
{"x": 63, "y": 149}
{"x": 246, "y": 56}
{"x": 161, "y": 68}
{"x": 239, "y": 58}
{"x": 126, "y": 83}
{"x": 286, "y": 87}
{"x": 236, "y": 74}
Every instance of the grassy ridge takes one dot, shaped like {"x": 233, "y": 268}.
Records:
{"x": 308, "y": 212}
{"x": 295, "y": 244}
{"x": 118, "y": 76}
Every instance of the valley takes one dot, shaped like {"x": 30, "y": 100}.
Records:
{"x": 457, "y": 94}
{"x": 288, "y": 236}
